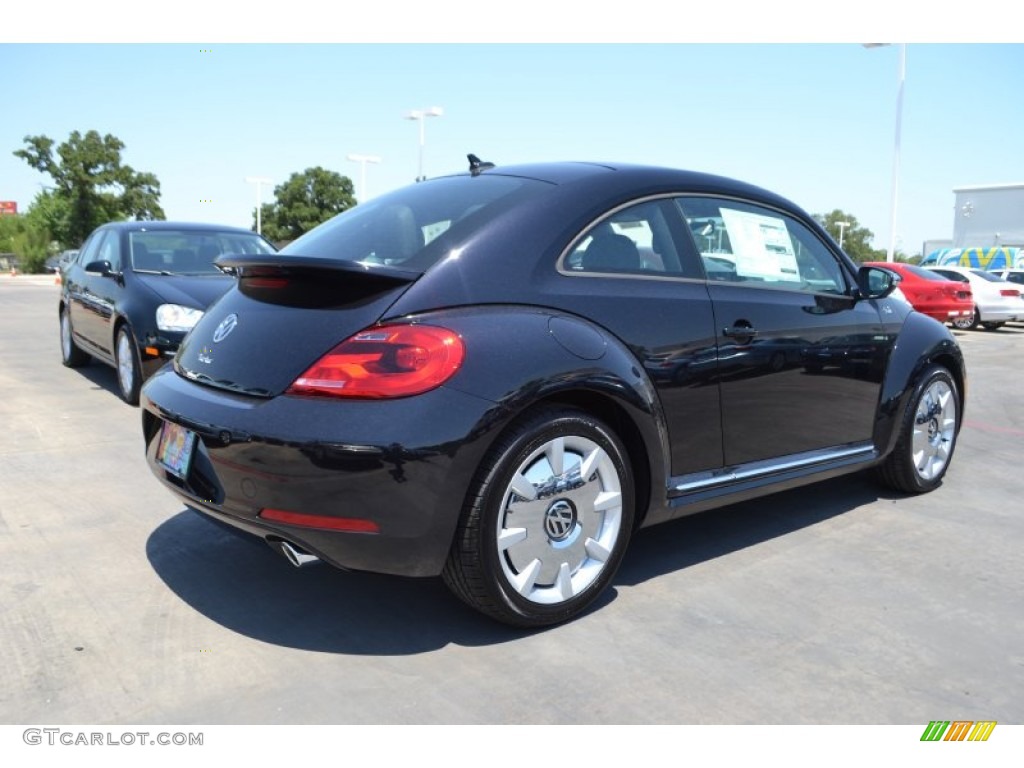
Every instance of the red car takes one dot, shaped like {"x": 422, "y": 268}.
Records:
{"x": 930, "y": 293}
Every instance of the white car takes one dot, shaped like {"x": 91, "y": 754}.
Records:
{"x": 996, "y": 301}
{"x": 1010, "y": 275}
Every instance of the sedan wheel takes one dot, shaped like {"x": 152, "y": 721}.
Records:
{"x": 927, "y": 437}
{"x": 548, "y": 526}
{"x": 71, "y": 355}
{"x": 968, "y": 322}
{"x": 128, "y": 368}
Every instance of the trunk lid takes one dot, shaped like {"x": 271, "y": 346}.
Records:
{"x": 281, "y": 316}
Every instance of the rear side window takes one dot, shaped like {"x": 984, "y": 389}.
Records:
{"x": 761, "y": 247}
{"x": 634, "y": 240}
{"x": 415, "y": 227}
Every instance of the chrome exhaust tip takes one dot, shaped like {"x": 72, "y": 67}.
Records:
{"x": 293, "y": 554}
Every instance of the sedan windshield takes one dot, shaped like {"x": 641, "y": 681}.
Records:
{"x": 189, "y": 252}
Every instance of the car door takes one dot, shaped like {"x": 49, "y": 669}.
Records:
{"x": 83, "y": 304}
{"x": 632, "y": 263}
{"x": 106, "y": 290}
{"x": 800, "y": 359}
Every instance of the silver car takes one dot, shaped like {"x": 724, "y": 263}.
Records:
{"x": 996, "y": 301}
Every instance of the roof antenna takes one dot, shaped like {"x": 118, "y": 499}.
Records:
{"x": 476, "y": 165}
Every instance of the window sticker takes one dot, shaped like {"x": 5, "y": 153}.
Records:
{"x": 761, "y": 246}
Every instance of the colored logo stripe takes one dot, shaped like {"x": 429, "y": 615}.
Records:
{"x": 958, "y": 730}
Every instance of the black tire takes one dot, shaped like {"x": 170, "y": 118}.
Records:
{"x": 992, "y": 326}
{"x": 127, "y": 365}
{"x": 561, "y": 547}
{"x": 928, "y": 433}
{"x": 70, "y": 353}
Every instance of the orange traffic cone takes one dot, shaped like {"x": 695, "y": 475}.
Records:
{"x": 56, "y": 278}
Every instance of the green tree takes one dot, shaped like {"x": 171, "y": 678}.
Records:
{"x": 27, "y": 239}
{"x": 89, "y": 177}
{"x": 50, "y": 212}
{"x": 304, "y": 201}
{"x": 32, "y": 246}
{"x": 10, "y": 227}
{"x": 856, "y": 239}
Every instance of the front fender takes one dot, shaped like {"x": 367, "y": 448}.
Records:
{"x": 922, "y": 342}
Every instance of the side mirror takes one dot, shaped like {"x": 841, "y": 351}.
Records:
{"x": 876, "y": 282}
{"x": 99, "y": 268}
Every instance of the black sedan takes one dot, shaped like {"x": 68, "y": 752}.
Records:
{"x": 498, "y": 376}
{"x": 135, "y": 288}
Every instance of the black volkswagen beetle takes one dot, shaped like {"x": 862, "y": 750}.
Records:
{"x": 136, "y": 287}
{"x": 498, "y": 376}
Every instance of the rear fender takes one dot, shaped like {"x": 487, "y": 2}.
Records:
{"x": 545, "y": 355}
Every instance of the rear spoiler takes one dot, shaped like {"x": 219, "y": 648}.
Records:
{"x": 244, "y": 265}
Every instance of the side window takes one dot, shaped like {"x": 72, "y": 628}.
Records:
{"x": 110, "y": 250}
{"x": 741, "y": 242}
{"x": 90, "y": 248}
{"x": 634, "y": 240}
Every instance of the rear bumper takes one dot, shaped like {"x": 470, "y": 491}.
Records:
{"x": 403, "y": 465}
{"x": 1001, "y": 313}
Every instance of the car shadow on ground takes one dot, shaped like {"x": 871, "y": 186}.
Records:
{"x": 101, "y": 376}
{"x": 688, "y": 541}
{"x": 237, "y": 581}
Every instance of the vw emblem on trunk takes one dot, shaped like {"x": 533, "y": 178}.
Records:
{"x": 227, "y": 325}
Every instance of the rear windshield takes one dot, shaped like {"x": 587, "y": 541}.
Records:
{"x": 189, "y": 252}
{"x": 987, "y": 276}
{"x": 413, "y": 227}
{"x": 926, "y": 274}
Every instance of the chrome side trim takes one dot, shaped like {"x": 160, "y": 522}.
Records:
{"x": 701, "y": 481}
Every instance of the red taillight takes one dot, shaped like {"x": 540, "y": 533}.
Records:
{"x": 1009, "y": 292}
{"x": 352, "y": 524}
{"x": 386, "y": 361}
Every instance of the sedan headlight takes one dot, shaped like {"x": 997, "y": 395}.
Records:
{"x": 174, "y": 317}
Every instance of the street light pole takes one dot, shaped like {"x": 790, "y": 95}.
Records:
{"x": 421, "y": 115}
{"x": 842, "y": 227}
{"x": 891, "y": 254}
{"x": 363, "y": 160}
{"x": 259, "y": 181}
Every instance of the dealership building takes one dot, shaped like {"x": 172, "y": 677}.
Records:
{"x": 985, "y": 217}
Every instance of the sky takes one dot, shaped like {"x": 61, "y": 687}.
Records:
{"x": 814, "y": 122}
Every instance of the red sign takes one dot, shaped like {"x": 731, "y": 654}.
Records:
{"x": 8, "y": 207}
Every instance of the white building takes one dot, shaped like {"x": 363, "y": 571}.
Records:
{"x": 986, "y": 216}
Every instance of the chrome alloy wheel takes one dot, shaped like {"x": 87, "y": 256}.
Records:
{"x": 125, "y": 362}
{"x": 560, "y": 519}
{"x": 934, "y": 430}
{"x": 66, "y": 344}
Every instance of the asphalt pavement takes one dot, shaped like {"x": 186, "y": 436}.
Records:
{"x": 837, "y": 603}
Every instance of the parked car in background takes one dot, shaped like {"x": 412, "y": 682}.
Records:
{"x": 498, "y": 376}
{"x": 930, "y": 293}
{"x": 1010, "y": 275}
{"x": 57, "y": 263}
{"x": 135, "y": 289}
{"x": 996, "y": 301}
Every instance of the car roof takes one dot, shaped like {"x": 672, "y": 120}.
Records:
{"x": 636, "y": 177}
{"x": 495, "y": 267}
{"x": 156, "y": 226}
